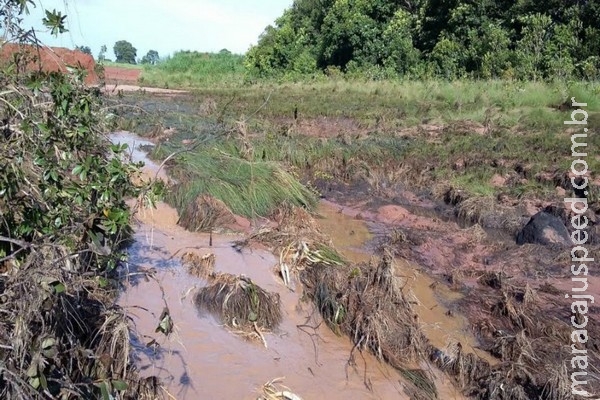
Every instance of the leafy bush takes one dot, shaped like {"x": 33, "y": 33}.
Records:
{"x": 63, "y": 221}
{"x": 61, "y": 179}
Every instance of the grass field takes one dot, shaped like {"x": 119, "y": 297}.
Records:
{"x": 122, "y": 65}
{"x": 424, "y": 134}
{"x": 188, "y": 69}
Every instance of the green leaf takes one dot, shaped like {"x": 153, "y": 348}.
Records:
{"x": 166, "y": 323}
{"x": 59, "y": 288}
{"x": 32, "y": 371}
{"x": 104, "y": 390}
{"x": 35, "y": 382}
{"x": 43, "y": 381}
{"x": 119, "y": 385}
{"x": 253, "y": 317}
{"x": 77, "y": 170}
{"x": 102, "y": 281}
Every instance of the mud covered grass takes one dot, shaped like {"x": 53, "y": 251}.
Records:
{"x": 204, "y": 214}
{"x": 365, "y": 301}
{"x": 239, "y": 302}
{"x": 504, "y": 302}
{"x": 451, "y": 142}
{"x": 499, "y": 140}
{"x": 534, "y": 353}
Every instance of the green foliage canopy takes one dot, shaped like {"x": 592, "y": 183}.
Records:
{"x": 125, "y": 52}
{"x": 151, "y": 57}
{"x": 523, "y": 39}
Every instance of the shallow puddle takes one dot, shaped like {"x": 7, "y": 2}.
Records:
{"x": 349, "y": 235}
{"x": 203, "y": 360}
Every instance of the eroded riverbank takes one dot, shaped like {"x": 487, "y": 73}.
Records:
{"x": 456, "y": 281}
{"x": 203, "y": 358}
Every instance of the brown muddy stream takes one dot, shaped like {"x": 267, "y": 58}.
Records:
{"x": 203, "y": 360}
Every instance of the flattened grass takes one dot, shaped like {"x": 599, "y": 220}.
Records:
{"x": 248, "y": 188}
{"x": 461, "y": 132}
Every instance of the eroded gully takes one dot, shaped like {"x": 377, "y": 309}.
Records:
{"x": 202, "y": 359}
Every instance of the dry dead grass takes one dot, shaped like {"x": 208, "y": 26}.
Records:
{"x": 199, "y": 266}
{"x": 205, "y": 214}
{"x": 62, "y": 327}
{"x": 275, "y": 390}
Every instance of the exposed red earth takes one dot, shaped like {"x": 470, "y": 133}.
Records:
{"x": 50, "y": 59}
{"x": 119, "y": 76}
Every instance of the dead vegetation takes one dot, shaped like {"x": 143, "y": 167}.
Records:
{"x": 298, "y": 240}
{"x": 205, "y": 214}
{"x": 199, "y": 266}
{"x": 59, "y": 328}
{"x": 364, "y": 301}
{"x": 367, "y": 303}
{"x": 534, "y": 353}
{"x": 274, "y": 390}
{"x": 239, "y": 303}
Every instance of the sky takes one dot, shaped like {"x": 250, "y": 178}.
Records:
{"x": 162, "y": 25}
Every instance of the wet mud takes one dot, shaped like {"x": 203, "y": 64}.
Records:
{"x": 440, "y": 262}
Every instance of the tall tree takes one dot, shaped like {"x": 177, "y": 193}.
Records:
{"x": 125, "y": 52}
{"x": 102, "y": 54}
{"x": 151, "y": 57}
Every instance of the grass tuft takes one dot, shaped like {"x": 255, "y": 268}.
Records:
{"x": 248, "y": 188}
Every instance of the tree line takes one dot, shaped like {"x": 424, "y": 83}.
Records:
{"x": 524, "y": 39}
{"x": 124, "y": 53}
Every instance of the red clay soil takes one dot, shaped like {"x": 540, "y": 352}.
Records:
{"x": 50, "y": 59}
{"x": 116, "y": 75}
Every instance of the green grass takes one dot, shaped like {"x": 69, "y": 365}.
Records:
{"x": 122, "y": 65}
{"x": 188, "y": 69}
{"x": 489, "y": 127}
{"x": 248, "y": 188}
{"x": 395, "y": 104}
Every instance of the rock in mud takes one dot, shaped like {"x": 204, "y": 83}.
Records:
{"x": 545, "y": 229}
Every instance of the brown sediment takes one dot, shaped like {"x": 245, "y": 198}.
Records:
{"x": 114, "y": 75}
{"x": 477, "y": 288}
{"x": 201, "y": 359}
{"x": 441, "y": 324}
{"x": 501, "y": 290}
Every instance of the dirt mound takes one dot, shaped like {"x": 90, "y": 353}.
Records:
{"x": 205, "y": 214}
{"x": 49, "y": 59}
{"x": 117, "y": 75}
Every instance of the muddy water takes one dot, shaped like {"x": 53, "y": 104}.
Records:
{"x": 204, "y": 360}
{"x": 440, "y": 326}
{"x": 136, "y": 154}
{"x": 201, "y": 359}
